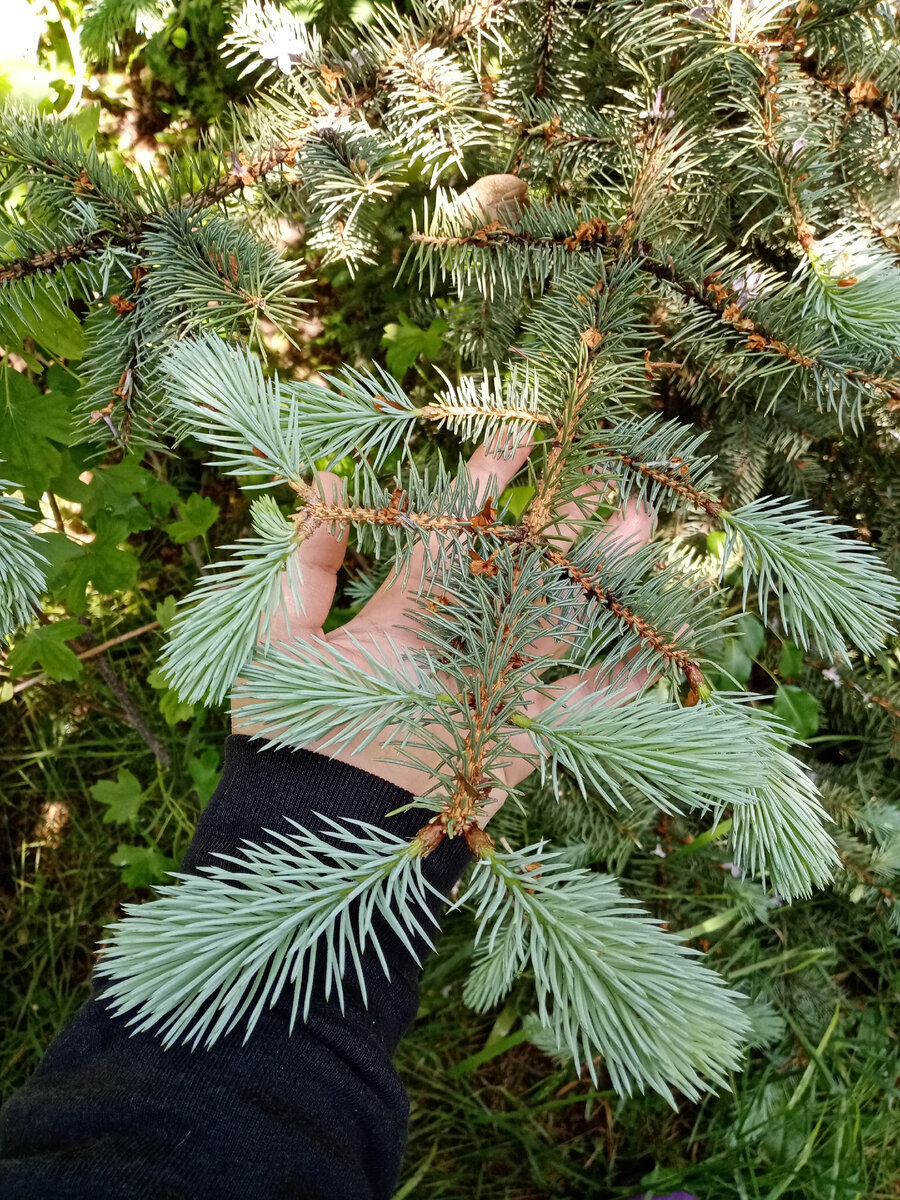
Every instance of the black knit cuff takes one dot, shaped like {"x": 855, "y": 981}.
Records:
{"x": 260, "y": 786}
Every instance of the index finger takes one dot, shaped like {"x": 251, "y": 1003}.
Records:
{"x": 490, "y": 469}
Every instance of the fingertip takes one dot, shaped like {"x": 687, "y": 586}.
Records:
{"x": 501, "y": 457}
{"x": 634, "y": 524}
{"x": 329, "y": 486}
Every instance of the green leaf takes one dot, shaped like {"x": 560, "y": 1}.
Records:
{"x": 752, "y": 634}
{"x": 160, "y": 496}
{"x": 198, "y": 513}
{"x": 734, "y": 665}
{"x": 406, "y": 341}
{"x": 791, "y": 662}
{"x": 112, "y": 492}
{"x": 798, "y": 709}
{"x": 204, "y": 769}
{"x": 165, "y": 612}
{"x": 338, "y": 617}
{"x": 123, "y": 798}
{"x": 47, "y": 647}
{"x": 100, "y": 563}
{"x": 58, "y": 330}
{"x": 30, "y": 422}
{"x": 141, "y": 865}
{"x": 517, "y": 499}
{"x": 67, "y": 481}
{"x": 173, "y": 709}
{"x": 86, "y": 121}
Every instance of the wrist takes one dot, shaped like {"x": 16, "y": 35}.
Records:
{"x": 264, "y": 788}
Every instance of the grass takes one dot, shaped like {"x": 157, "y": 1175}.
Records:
{"x": 814, "y": 1116}
{"x": 59, "y": 888}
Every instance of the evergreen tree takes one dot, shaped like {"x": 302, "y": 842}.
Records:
{"x": 675, "y": 275}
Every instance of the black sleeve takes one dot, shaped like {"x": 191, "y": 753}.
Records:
{"x": 319, "y": 1114}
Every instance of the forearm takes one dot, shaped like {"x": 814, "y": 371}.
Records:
{"x": 316, "y": 1113}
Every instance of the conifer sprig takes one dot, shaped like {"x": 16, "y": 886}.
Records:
{"x": 293, "y": 691}
{"x": 22, "y": 577}
{"x": 583, "y": 940}
{"x": 229, "y": 611}
{"x": 296, "y": 914}
{"x": 591, "y": 299}
{"x": 828, "y": 587}
{"x": 679, "y": 757}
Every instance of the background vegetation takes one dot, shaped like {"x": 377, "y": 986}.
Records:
{"x": 104, "y": 771}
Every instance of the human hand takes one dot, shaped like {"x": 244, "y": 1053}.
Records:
{"x": 389, "y": 625}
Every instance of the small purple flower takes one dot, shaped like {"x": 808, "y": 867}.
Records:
{"x": 670, "y": 1196}
{"x": 797, "y": 148}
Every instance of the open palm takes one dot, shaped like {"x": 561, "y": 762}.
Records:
{"x": 389, "y": 626}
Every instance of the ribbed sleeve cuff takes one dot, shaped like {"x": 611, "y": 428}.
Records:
{"x": 261, "y": 786}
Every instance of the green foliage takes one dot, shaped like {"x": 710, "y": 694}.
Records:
{"x": 21, "y": 562}
{"x": 196, "y": 515}
{"x": 46, "y": 646}
{"x": 790, "y": 663}
{"x": 828, "y": 588}
{"x": 123, "y": 799}
{"x": 102, "y": 562}
{"x": 606, "y": 976}
{"x": 363, "y": 862}
{"x": 696, "y": 308}
{"x": 33, "y": 428}
{"x": 142, "y": 866}
{"x": 249, "y": 590}
{"x": 173, "y": 709}
{"x": 405, "y": 342}
{"x": 204, "y": 769}
{"x": 798, "y": 709}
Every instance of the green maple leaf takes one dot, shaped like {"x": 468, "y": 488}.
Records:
{"x": 47, "y": 647}
{"x": 123, "y": 798}
{"x": 141, "y": 865}
{"x": 112, "y": 492}
{"x": 798, "y": 709}
{"x": 160, "y": 496}
{"x": 30, "y": 423}
{"x": 67, "y": 481}
{"x": 197, "y": 514}
{"x": 173, "y": 709}
{"x": 406, "y": 341}
{"x": 165, "y": 612}
{"x": 100, "y": 562}
{"x": 204, "y": 769}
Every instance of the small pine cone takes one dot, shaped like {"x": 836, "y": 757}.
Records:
{"x": 495, "y": 198}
